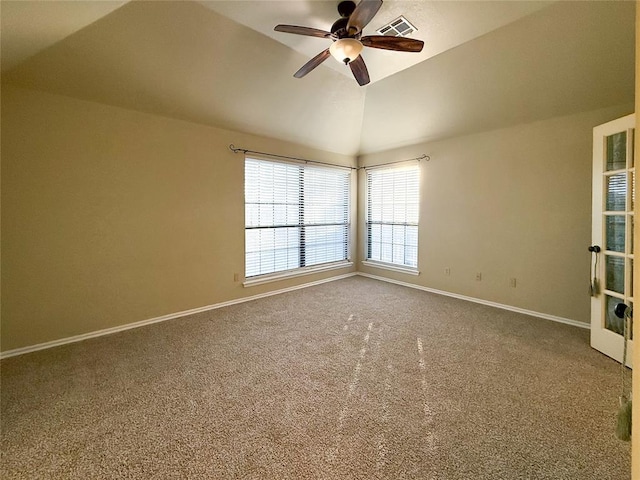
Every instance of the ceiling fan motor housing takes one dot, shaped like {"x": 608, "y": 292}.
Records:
{"x": 339, "y": 27}
{"x": 346, "y": 8}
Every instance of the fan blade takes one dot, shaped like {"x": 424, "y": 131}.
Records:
{"x": 308, "y": 31}
{"x": 399, "y": 44}
{"x": 313, "y": 63}
{"x": 362, "y": 15}
{"x": 360, "y": 71}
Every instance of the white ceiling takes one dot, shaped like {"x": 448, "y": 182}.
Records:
{"x": 442, "y": 25}
{"x": 486, "y": 64}
{"x": 31, "y": 26}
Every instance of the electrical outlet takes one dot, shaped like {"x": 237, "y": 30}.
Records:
{"x": 512, "y": 282}
{"x": 478, "y": 276}
{"x": 236, "y": 277}
{"x": 447, "y": 271}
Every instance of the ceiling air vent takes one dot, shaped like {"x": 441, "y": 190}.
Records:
{"x": 400, "y": 27}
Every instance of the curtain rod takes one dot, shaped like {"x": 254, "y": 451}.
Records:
{"x": 235, "y": 149}
{"x": 424, "y": 157}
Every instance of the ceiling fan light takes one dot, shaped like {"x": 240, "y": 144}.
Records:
{"x": 345, "y": 50}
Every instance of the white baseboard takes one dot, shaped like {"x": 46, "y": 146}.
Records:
{"x": 163, "y": 318}
{"x": 142, "y": 323}
{"x": 545, "y": 316}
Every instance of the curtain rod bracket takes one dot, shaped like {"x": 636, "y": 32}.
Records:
{"x": 233, "y": 148}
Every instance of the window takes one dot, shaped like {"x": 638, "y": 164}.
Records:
{"x": 393, "y": 196}
{"x": 296, "y": 215}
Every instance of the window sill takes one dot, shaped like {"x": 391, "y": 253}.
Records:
{"x": 298, "y": 272}
{"x": 392, "y": 267}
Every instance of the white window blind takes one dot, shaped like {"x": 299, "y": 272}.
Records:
{"x": 393, "y": 197}
{"x": 296, "y": 215}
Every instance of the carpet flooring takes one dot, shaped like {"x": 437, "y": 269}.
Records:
{"x": 352, "y": 379}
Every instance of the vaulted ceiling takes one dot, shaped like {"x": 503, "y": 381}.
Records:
{"x": 485, "y": 65}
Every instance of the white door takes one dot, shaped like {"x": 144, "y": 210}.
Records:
{"x": 612, "y": 212}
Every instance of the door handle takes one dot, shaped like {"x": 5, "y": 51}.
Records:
{"x": 594, "y": 287}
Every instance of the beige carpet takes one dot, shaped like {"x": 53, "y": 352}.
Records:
{"x": 353, "y": 379}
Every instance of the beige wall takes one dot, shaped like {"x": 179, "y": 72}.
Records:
{"x": 509, "y": 203}
{"x": 112, "y": 216}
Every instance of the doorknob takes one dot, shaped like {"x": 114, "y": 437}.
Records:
{"x": 623, "y": 310}
{"x": 594, "y": 249}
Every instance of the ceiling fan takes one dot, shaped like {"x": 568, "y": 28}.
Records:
{"x": 346, "y": 34}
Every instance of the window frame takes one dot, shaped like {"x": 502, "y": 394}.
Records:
{"x": 368, "y": 261}
{"x": 262, "y": 278}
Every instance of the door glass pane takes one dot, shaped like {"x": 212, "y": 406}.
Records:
{"x": 614, "y": 273}
{"x": 617, "y": 151}
{"x": 616, "y": 192}
{"x": 633, "y": 190}
{"x": 633, "y": 139}
{"x": 631, "y": 234}
{"x": 611, "y": 321}
{"x": 615, "y": 232}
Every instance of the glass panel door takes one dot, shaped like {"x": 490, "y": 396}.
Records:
{"x": 613, "y": 221}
